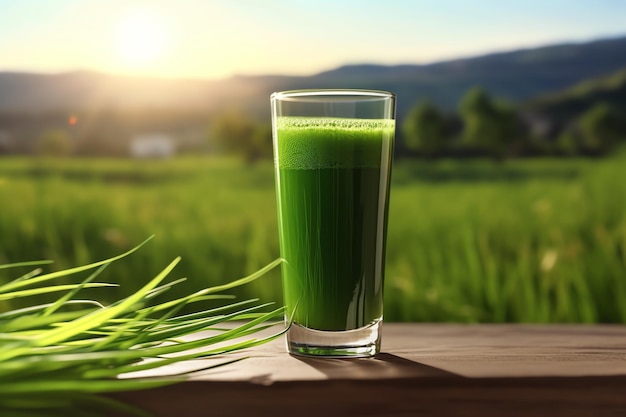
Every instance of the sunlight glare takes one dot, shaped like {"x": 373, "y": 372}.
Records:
{"x": 141, "y": 37}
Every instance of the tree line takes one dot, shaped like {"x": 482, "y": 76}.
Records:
{"x": 481, "y": 126}
{"x": 484, "y": 126}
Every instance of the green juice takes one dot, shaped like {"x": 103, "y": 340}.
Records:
{"x": 332, "y": 179}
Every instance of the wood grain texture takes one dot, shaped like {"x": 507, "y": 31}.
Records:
{"x": 425, "y": 369}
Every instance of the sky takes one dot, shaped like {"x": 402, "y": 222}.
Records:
{"x": 219, "y": 38}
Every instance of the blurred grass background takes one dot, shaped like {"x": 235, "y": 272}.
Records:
{"x": 541, "y": 240}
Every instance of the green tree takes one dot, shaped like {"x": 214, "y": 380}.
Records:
{"x": 424, "y": 129}
{"x": 488, "y": 126}
{"x": 262, "y": 141}
{"x": 235, "y": 133}
{"x": 601, "y": 128}
{"x": 54, "y": 142}
{"x": 568, "y": 142}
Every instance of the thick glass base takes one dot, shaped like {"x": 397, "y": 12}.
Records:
{"x": 357, "y": 343}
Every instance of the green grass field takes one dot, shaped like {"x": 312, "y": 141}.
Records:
{"x": 469, "y": 241}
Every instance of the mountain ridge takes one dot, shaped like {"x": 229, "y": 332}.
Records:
{"x": 516, "y": 75}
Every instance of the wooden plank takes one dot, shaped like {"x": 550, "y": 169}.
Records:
{"x": 513, "y": 350}
{"x": 446, "y": 369}
{"x": 443, "y": 350}
{"x": 523, "y": 397}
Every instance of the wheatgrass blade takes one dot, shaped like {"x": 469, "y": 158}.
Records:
{"x": 157, "y": 363}
{"x": 28, "y": 275}
{"x": 203, "y": 324}
{"x": 50, "y": 289}
{"x": 119, "y": 358}
{"x": 232, "y": 284}
{"x": 27, "y": 263}
{"x": 52, "y": 356}
{"x": 162, "y": 361}
{"x": 40, "y": 322}
{"x": 94, "y": 319}
{"x": 34, "y": 309}
{"x": 163, "y": 288}
{"x": 53, "y": 275}
{"x": 123, "y": 332}
{"x": 205, "y": 313}
{"x": 112, "y": 357}
{"x": 61, "y": 301}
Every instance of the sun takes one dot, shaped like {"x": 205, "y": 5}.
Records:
{"x": 141, "y": 37}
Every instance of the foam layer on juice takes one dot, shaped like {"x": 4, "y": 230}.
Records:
{"x": 313, "y": 143}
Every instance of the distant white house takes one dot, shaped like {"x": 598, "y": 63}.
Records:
{"x": 152, "y": 145}
{"x": 539, "y": 125}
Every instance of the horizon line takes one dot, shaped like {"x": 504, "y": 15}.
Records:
{"x": 591, "y": 40}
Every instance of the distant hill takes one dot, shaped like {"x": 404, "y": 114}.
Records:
{"x": 516, "y": 76}
{"x": 570, "y": 103}
{"x": 85, "y": 89}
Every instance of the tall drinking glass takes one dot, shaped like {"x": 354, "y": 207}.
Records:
{"x": 332, "y": 156}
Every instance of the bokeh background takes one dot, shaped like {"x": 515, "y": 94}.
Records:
{"x": 120, "y": 120}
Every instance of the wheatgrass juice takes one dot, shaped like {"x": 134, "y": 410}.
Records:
{"x": 332, "y": 179}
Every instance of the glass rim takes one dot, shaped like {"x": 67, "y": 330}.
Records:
{"x": 327, "y": 93}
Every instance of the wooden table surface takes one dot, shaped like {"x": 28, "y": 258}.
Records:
{"x": 425, "y": 369}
